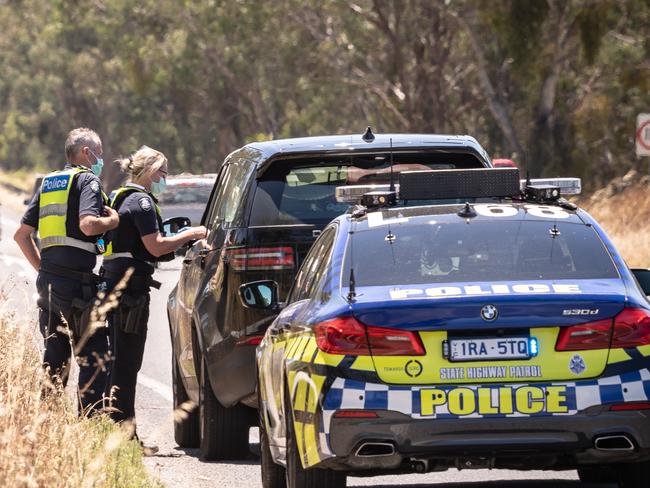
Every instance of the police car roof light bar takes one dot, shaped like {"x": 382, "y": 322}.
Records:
{"x": 459, "y": 183}
{"x": 353, "y": 193}
{"x": 567, "y": 186}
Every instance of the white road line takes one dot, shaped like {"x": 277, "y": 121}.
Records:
{"x": 162, "y": 389}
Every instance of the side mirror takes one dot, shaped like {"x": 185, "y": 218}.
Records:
{"x": 172, "y": 225}
{"x": 260, "y": 295}
{"x": 643, "y": 278}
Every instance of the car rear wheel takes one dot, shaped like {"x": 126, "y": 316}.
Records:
{"x": 186, "y": 419}
{"x": 273, "y": 475}
{"x": 299, "y": 477}
{"x": 224, "y": 431}
{"x": 634, "y": 475}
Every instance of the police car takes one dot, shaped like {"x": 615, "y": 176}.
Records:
{"x": 504, "y": 332}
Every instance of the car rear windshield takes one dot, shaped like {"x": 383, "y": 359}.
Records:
{"x": 449, "y": 252}
{"x": 302, "y": 191}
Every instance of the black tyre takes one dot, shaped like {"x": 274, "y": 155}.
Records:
{"x": 635, "y": 475}
{"x": 299, "y": 477}
{"x": 273, "y": 475}
{"x": 186, "y": 420}
{"x": 224, "y": 431}
{"x": 597, "y": 474}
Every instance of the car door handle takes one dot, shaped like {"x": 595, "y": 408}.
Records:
{"x": 187, "y": 261}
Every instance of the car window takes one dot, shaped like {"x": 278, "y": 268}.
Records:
{"x": 303, "y": 192}
{"x": 229, "y": 201}
{"x": 446, "y": 252}
{"x": 314, "y": 267}
{"x": 187, "y": 192}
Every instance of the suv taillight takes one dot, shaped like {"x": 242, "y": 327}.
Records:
{"x": 260, "y": 258}
{"x": 631, "y": 328}
{"x": 346, "y": 335}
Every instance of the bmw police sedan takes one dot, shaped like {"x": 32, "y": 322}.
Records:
{"x": 506, "y": 332}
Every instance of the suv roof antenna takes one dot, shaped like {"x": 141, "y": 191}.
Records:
{"x": 392, "y": 180}
{"x": 368, "y": 136}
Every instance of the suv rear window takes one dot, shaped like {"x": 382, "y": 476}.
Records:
{"x": 302, "y": 191}
{"x": 448, "y": 252}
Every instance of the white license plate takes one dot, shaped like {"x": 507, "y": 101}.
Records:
{"x": 489, "y": 348}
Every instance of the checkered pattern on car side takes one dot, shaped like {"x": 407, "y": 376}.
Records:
{"x": 352, "y": 394}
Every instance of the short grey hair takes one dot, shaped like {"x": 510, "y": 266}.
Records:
{"x": 78, "y": 138}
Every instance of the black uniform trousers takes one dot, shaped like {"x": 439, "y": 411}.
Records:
{"x": 128, "y": 331}
{"x": 57, "y": 295}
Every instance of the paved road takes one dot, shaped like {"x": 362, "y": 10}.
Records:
{"x": 181, "y": 467}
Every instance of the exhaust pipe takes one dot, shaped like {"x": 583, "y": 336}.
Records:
{"x": 375, "y": 449}
{"x": 614, "y": 443}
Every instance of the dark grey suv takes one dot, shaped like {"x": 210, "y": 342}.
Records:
{"x": 269, "y": 203}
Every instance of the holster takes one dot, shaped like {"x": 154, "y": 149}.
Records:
{"x": 79, "y": 318}
{"x": 131, "y": 314}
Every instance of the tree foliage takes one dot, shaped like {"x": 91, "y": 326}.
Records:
{"x": 555, "y": 84}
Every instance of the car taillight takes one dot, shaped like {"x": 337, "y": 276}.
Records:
{"x": 260, "y": 258}
{"x": 592, "y": 335}
{"x": 504, "y": 163}
{"x": 631, "y": 328}
{"x": 346, "y": 335}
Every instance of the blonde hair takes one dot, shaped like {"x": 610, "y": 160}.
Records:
{"x": 144, "y": 161}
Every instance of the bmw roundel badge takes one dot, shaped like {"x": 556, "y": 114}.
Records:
{"x": 489, "y": 313}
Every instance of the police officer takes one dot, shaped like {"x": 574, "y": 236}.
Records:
{"x": 69, "y": 212}
{"x": 137, "y": 243}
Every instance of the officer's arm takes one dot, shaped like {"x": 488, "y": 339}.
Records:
{"x": 158, "y": 245}
{"x": 23, "y": 238}
{"x": 92, "y": 225}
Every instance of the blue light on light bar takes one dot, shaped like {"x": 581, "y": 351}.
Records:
{"x": 533, "y": 347}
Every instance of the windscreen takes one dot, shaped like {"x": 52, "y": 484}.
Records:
{"x": 448, "y": 252}
{"x": 303, "y": 191}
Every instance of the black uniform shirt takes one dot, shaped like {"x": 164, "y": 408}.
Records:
{"x": 137, "y": 218}
{"x": 85, "y": 199}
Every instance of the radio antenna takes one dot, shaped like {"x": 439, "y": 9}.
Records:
{"x": 392, "y": 181}
{"x": 352, "y": 292}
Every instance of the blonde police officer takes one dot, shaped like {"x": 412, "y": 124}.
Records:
{"x": 137, "y": 243}
{"x": 69, "y": 212}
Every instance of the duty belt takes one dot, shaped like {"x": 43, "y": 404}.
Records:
{"x": 84, "y": 277}
{"x": 138, "y": 281}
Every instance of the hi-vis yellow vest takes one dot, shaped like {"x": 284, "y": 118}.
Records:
{"x": 117, "y": 198}
{"x": 53, "y": 211}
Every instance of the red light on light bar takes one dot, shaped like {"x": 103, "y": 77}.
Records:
{"x": 619, "y": 407}
{"x": 355, "y": 414}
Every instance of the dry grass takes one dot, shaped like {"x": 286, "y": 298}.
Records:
{"x": 623, "y": 210}
{"x": 43, "y": 442}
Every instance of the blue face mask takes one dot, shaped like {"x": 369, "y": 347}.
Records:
{"x": 97, "y": 167}
{"x": 157, "y": 187}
